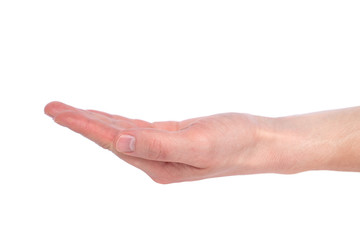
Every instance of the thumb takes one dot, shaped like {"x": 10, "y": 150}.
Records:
{"x": 154, "y": 144}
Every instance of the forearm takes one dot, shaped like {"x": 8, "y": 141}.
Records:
{"x": 328, "y": 140}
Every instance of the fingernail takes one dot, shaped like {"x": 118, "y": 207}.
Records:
{"x": 125, "y": 143}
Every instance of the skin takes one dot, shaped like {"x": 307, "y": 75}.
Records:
{"x": 222, "y": 144}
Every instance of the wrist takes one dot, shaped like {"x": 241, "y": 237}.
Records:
{"x": 280, "y": 147}
{"x": 293, "y": 144}
{"x": 296, "y": 147}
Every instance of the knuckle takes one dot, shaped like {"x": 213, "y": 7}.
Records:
{"x": 200, "y": 137}
{"x": 156, "y": 150}
{"x": 201, "y": 147}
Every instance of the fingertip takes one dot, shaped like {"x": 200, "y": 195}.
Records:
{"x": 49, "y": 108}
{"x": 55, "y": 107}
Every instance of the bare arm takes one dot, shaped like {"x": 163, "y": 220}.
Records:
{"x": 328, "y": 140}
{"x": 222, "y": 144}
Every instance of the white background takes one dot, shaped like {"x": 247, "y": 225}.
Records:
{"x": 169, "y": 60}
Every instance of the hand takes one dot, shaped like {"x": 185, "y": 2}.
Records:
{"x": 213, "y": 146}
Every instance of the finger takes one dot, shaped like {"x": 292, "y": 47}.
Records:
{"x": 135, "y": 122}
{"x": 162, "y": 125}
{"x": 54, "y": 108}
{"x": 158, "y": 145}
{"x": 104, "y": 114}
{"x": 93, "y": 129}
{"x": 109, "y": 119}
